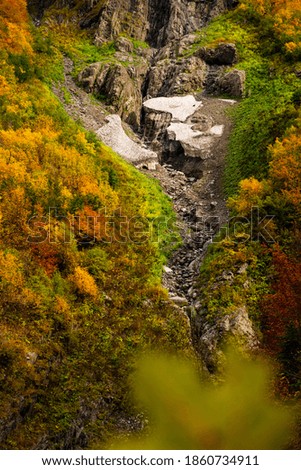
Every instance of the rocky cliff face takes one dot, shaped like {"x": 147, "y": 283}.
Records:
{"x": 120, "y": 83}
{"x": 155, "y": 21}
{"x": 161, "y": 70}
{"x": 128, "y": 80}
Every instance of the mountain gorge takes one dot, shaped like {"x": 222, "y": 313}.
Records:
{"x": 150, "y": 199}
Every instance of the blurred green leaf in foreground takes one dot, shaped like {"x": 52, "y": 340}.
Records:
{"x": 187, "y": 413}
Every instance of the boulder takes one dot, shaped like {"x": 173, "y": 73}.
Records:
{"x": 181, "y": 301}
{"x": 87, "y": 78}
{"x": 232, "y": 83}
{"x": 31, "y": 357}
{"x": 202, "y": 122}
{"x": 223, "y": 54}
{"x": 167, "y": 270}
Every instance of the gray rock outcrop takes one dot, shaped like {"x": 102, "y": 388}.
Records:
{"x": 119, "y": 84}
{"x": 159, "y": 22}
{"x": 123, "y": 44}
{"x": 154, "y": 21}
{"x": 209, "y": 339}
{"x": 168, "y": 77}
{"x": 219, "y": 81}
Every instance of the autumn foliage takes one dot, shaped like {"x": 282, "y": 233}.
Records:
{"x": 251, "y": 195}
{"x": 279, "y": 196}
{"x": 284, "y": 15}
{"x": 76, "y": 302}
{"x": 282, "y": 308}
{"x": 14, "y": 34}
{"x": 285, "y": 168}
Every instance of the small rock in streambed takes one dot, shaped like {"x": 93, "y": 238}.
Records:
{"x": 181, "y": 301}
{"x": 194, "y": 265}
{"x": 167, "y": 270}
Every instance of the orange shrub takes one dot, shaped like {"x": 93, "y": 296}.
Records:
{"x": 84, "y": 282}
{"x": 285, "y": 167}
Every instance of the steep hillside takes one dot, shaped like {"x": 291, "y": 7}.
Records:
{"x": 254, "y": 264}
{"x": 85, "y": 237}
{"x": 81, "y": 254}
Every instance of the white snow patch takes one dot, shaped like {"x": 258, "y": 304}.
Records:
{"x": 180, "y": 107}
{"x": 194, "y": 142}
{"x": 182, "y": 132}
{"x": 113, "y": 135}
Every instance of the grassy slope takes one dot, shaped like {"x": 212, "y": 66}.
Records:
{"x": 270, "y": 107}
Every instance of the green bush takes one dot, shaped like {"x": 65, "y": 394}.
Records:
{"x": 24, "y": 69}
